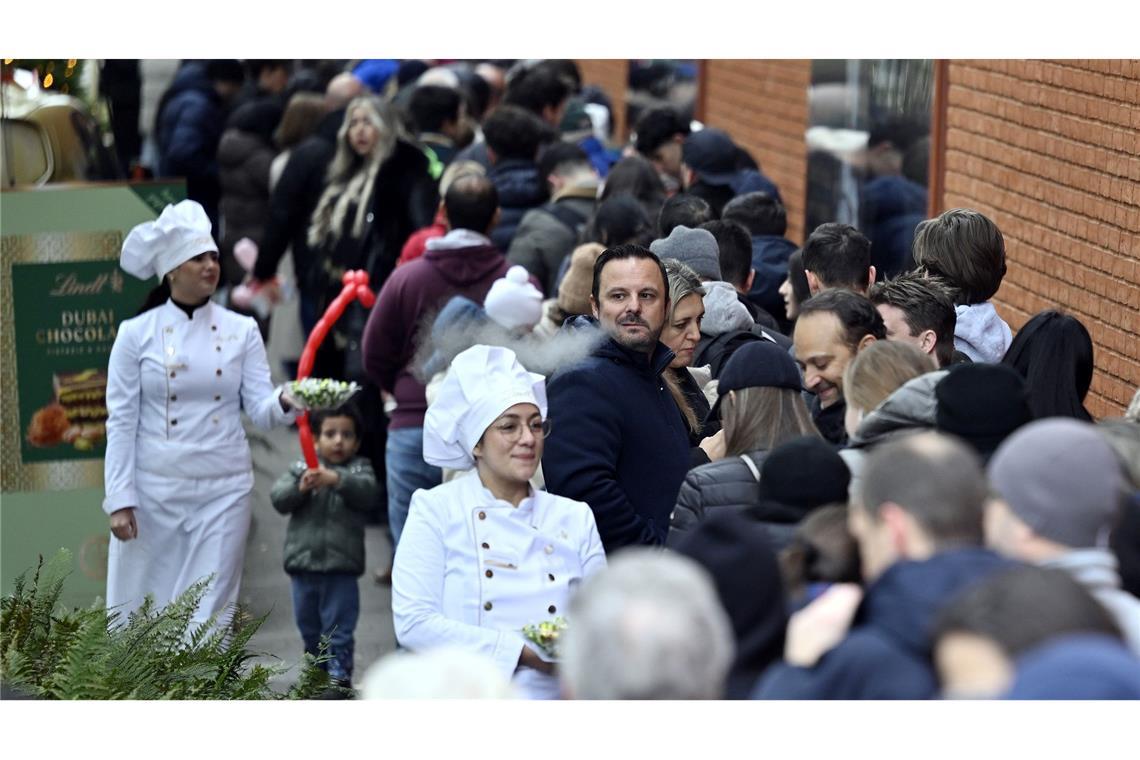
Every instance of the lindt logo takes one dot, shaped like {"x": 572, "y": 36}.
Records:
{"x": 70, "y": 284}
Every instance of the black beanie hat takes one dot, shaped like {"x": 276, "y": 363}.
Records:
{"x": 738, "y": 554}
{"x": 982, "y": 404}
{"x": 806, "y": 473}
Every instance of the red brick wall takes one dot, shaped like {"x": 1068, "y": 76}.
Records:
{"x": 1050, "y": 150}
{"x": 764, "y": 106}
{"x": 612, "y": 76}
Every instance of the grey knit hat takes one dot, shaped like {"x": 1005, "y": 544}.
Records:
{"x": 696, "y": 248}
{"x": 1062, "y": 479}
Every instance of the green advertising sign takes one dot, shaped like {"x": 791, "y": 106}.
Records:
{"x": 63, "y": 297}
{"x": 66, "y": 319}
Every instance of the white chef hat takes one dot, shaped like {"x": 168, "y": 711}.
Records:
{"x": 483, "y": 382}
{"x": 179, "y": 234}
{"x": 513, "y": 300}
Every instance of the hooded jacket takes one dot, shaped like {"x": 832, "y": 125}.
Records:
{"x": 1095, "y": 569}
{"x": 326, "y": 526}
{"x": 187, "y": 132}
{"x": 726, "y": 326}
{"x": 723, "y": 310}
{"x": 545, "y": 236}
{"x": 460, "y": 263}
{"x": 909, "y": 409}
{"x": 980, "y": 333}
{"x": 520, "y": 189}
{"x": 620, "y": 444}
{"x": 770, "y": 254}
{"x": 887, "y": 653}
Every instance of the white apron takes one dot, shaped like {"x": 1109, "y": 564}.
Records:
{"x": 177, "y": 452}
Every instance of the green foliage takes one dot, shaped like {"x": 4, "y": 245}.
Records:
{"x": 54, "y": 653}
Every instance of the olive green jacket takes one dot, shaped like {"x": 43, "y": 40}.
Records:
{"x": 326, "y": 526}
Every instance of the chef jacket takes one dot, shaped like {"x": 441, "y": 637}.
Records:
{"x": 176, "y": 386}
{"x": 471, "y": 570}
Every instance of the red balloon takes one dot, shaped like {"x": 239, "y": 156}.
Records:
{"x": 367, "y": 298}
{"x": 305, "y": 433}
{"x": 355, "y": 288}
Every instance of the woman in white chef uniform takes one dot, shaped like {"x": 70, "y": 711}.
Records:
{"x": 486, "y": 554}
{"x": 178, "y": 471}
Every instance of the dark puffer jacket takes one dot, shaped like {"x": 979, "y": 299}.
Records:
{"x": 326, "y": 526}
{"x": 187, "y": 131}
{"x": 520, "y": 189}
{"x": 244, "y": 156}
{"x": 729, "y": 484}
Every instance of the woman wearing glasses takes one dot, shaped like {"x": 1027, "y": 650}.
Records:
{"x": 486, "y": 554}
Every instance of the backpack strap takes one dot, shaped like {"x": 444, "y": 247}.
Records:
{"x": 566, "y": 215}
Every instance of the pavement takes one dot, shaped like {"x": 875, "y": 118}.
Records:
{"x": 265, "y": 587}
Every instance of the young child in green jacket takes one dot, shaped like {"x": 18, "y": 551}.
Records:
{"x": 324, "y": 545}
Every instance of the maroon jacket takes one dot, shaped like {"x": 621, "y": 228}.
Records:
{"x": 421, "y": 287}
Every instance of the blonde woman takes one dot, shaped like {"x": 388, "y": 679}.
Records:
{"x": 377, "y": 192}
{"x": 682, "y": 333}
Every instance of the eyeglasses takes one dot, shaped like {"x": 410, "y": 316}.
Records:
{"x": 511, "y": 430}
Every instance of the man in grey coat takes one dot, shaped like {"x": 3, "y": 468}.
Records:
{"x": 1060, "y": 489}
{"x": 548, "y": 234}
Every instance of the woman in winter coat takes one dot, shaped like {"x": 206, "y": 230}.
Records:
{"x": 682, "y": 333}
{"x": 760, "y": 407}
{"x": 486, "y": 554}
{"x": 378, "y": 191}
{"x": 244, "y": 157}
{"x": 178, "y": 470}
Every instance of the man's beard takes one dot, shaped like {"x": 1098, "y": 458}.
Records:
{"x": 641, "y": 344}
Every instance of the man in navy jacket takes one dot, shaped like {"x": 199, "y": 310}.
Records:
{"x": 919, "y": 530}
{"x": 617, "y": 439}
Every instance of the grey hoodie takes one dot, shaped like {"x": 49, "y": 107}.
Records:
{"x": 980, "y": 333}
{"x": 723, "y": 310}
{"x": 912, "y": 407}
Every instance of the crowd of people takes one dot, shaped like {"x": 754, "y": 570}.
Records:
{"x": 601, "y": 384}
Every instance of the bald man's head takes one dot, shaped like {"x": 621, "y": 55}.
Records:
{"x": 342, "y": 89}
{"x": 472, "y": 203}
